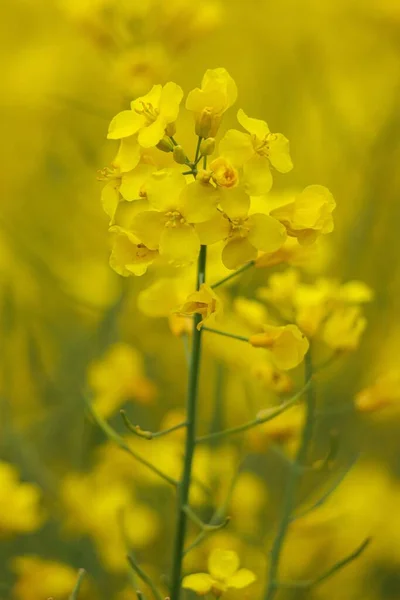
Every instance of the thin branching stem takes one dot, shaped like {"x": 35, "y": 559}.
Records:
{"x": 75, "y": 592}
{"x": 274, "y": 412}
{"x": 144, "y": 577}
{"x": 292, "y": 482}
{"x": 148, "y": 435}
{"x": 234, "y": 274}
{"x": 226, "y": 334}
{"x": 117, "y": 439}
{"x": 191, "y": 418}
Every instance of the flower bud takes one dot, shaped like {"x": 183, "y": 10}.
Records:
{"x": 165, "y": 145}
{"x": 179, "y": 155}
{"x": 207, "y": 147}
{"x": 170, "y": 129}
{"x": 205, "y": 123}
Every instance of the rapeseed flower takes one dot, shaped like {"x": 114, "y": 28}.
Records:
{"x": 38, "y": 578}
{"x": 309, "y": 215}
{"x": 287, "y": 344}
{"x": 255, "y": 151}
{"x": 20, "y": 510}
{"x": 204, "y": 302}
{"x": 223, "y": 573}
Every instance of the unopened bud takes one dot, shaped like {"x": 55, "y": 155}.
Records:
{"x": 170, "y": 129}
{"x": 179, "y": 155}
{"x": 203, "y": 176}
{"x": 207, "y": 147}
{"x": 165, "y": 145}
{"x": 204, "y": 123}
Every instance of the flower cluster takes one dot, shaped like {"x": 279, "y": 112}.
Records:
{"x": 163, "y": 208}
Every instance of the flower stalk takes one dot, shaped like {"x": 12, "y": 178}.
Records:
{"x": 191, "y": 418}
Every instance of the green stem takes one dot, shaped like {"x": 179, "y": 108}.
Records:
{"x": 272, "y": 414}
{"x": 191, "y": 414}
{"x": 75, "y": 592}
{"x": 291, "y": 486}
{"x": 226, "y": 334}
{"x": 234, "y": 274}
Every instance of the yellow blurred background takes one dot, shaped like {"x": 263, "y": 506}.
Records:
{"x": 327, "y": 74}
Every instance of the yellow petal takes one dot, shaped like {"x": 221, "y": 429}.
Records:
{"x": 110, "y": 198}
{"x": 214, "y": 230}
{"x": 222, "y": 564}
{"x": 133, "y": 182}
{"x": 162, "y": 297}
{"x": 128, "y": 154}
{"x": 237, "y": 251}
{"x": 241, "y": 579}
{"x": 254, "y": 126}
{"x": 151, "y": 98}
{"x": 236, "y": 146}
{"x": 278, "y": 154}
{"x": 164, "y": 189}
{"x": 180, "y": 245}
{"x": 201, "y": 583}
{"x": 124, "y": 124}
{"x": 149, "y": 136}
{"x": 266, "y": 233}
{"x": 198, "y": 202}
{"x": 148, "y": 227}
{"x": 171, "y": 97}
{"x": 235, "y": 202}
{"x": 220, "y": 79}
{"x": 257, "y": 175}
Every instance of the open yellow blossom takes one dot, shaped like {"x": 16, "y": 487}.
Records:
{"x": 286, "y": 343}
{"x": 118, "y": 377}
{"x": 20, "y": 510}
{"x": 127, "y": 186}
{"x": 309, "y": 215}
{"x": 38, "y": 578}
{"x": 255, "y": 151}
{"x": 244, "y": 234}
{"x": 145, "y": 123}
{"x": 224, "y": 573}
{"x": 204, "y": 302}
{"x": 176, "y": 206}
{"x": 217, "y": 93}
{"x": 343, "y": 328}
{"x": 128, "y": 255}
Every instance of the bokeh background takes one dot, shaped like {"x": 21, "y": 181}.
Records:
{"x": 327, "y": 75}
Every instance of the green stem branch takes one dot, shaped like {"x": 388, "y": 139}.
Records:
{"x": 293, "y": 480}
{"x": 226, "y": 334}
{"x": 75, "y": 592}
{"x": 234, "y": 274}
{"x": 191, "y": 417}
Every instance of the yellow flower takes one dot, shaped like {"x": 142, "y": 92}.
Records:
{"x": 204, "y": 302}
{"x": 244, "y": 234}
{"x": 309, "y": 215}
{"x": 343, "y": 328}
{"x": 177, "y": 206}
{"x": 255, "y": 151}
{"x": 217, "y": 93}
{"x": 223, "y": 573}
{"x": 145, "y": 123}
{"x": 128, "y": 255}
{"x": 119, "y": 376}
{"x": 286, "y": 343}
{"x": 20, "y": 511}
{"x": 120, "y": 185}
{"x": 38, "y": 579}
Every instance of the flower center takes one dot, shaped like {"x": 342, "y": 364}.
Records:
{"x": 148, "y": 111}
{"x": 108, "y": 174}
{"x": 174, "y": 219}
{"x": 141, "y": 251}
{"x": 261, "y": 146}
{"x": 239, "y": 227}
